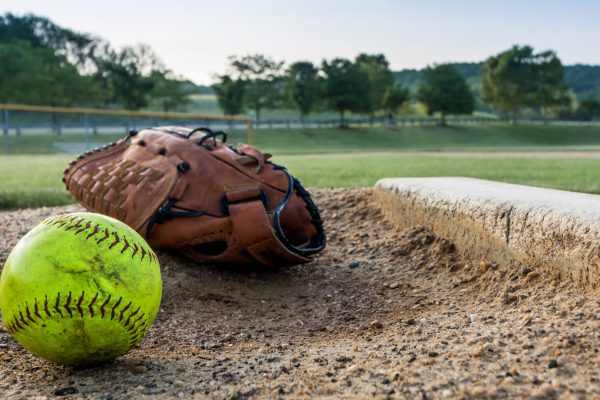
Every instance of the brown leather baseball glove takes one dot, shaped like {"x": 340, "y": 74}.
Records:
{"x": 188, "y": 191}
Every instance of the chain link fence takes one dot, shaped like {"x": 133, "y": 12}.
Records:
{"x": 73, "y": 130}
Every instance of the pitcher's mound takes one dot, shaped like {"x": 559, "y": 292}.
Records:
{"x": 380, "y": 313}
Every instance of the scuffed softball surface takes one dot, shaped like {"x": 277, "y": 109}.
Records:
{"x": 80, "y": 289}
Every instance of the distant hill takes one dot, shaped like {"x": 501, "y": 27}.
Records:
{"x": 191, "y": 88}
{"x": 584, "y": 80}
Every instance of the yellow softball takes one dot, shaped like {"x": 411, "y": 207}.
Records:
{"x": 80, "y": 289}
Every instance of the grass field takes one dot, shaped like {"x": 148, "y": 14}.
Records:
{"x": 490, "y": 137}
{"x": 34, "y": 181}
{"x": 341, "y": 157}
{"x": 346, "y": 170}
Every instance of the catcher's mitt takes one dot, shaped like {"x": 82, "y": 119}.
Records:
{"x": 188, "y": 191}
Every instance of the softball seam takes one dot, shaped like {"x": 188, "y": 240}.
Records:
{"x": 69, "y": 222}
{"x": 133, "y": 323}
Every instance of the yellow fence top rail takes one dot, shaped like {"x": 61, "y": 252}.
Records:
{"x": 127, "y": 113}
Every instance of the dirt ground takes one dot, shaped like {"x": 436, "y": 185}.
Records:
{"x": 380, "y": 313}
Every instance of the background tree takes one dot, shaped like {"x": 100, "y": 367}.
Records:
{"x": 168, "y": 91}
{"x": 126, "y": 76}
{"x": 124, "y": 84}
{"x": 509, "y": 80}
{"x": 43, "y": 63}
{"x": 583, "y": 80}
{"x": 380, "y": 78}
{"x": 41, "y": 32}
{"x": 39, "y": 63}
{"x": 230, "y": 94}
{"x": 38, "y": 76}
{"x": 302, "y": 86}
{"x": 263, "y": 93}
{"x": 345, "y": 86}
{"x": 17, "y": 80}
{"x": 394, "y": 98}
{"x": 590, "y": 108}
{"x": 263, "y": 81}
{"x": 550, "y": 79}
{"x": 142, "y": 55}
{"x": 445, "y": 90}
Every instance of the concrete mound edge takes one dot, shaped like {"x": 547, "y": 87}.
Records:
{"x": 552, "y": 231}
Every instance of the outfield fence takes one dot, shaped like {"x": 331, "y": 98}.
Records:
{"x": 366, "y": 121}
{"x": 74, "y": 130}
{"x": 406, "y": 121}
{"x": 91, "y": 123}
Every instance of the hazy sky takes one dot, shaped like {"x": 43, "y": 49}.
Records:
{"x": 194, "y": 38}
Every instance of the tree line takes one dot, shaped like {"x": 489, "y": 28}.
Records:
{"x": 256, "y": 82}
{"x": 512, "y": 81}
{"x": 45, "y": 64}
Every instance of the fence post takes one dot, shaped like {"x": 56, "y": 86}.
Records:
{"x": 7, "y": 141}
{"x": 249, "y": 132}
{"x": 86, "y": 131}
{"x": 5, "y": 121}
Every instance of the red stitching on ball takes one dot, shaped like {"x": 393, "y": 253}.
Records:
{"x": 65, "y": 222}
{"x": 132, "y": 326}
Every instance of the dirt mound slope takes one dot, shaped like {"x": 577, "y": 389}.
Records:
{"x": 381, "y": 313}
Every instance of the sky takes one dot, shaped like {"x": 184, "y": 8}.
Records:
{"x": 195, "y": 38}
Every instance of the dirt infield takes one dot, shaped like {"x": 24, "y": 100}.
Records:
{"x": 382, "y": 313}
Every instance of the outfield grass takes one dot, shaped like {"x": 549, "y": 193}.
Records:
{"x": 490, "y": 137}
{"x": 34, "y": 181}
{"x": 46, "y": 143}
{"x": 346, "y": 170}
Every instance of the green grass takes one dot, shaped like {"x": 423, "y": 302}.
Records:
{"x": 346, "y": 170}
{"x": 45, "y": 143}
{"x": 34, "y": 181}
{"x": 408, "y": 138}
{"x": 339, "y": 157}
{"x": 430, "y": 138}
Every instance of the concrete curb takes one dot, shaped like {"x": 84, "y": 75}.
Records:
{"x": 552, "y": 231}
